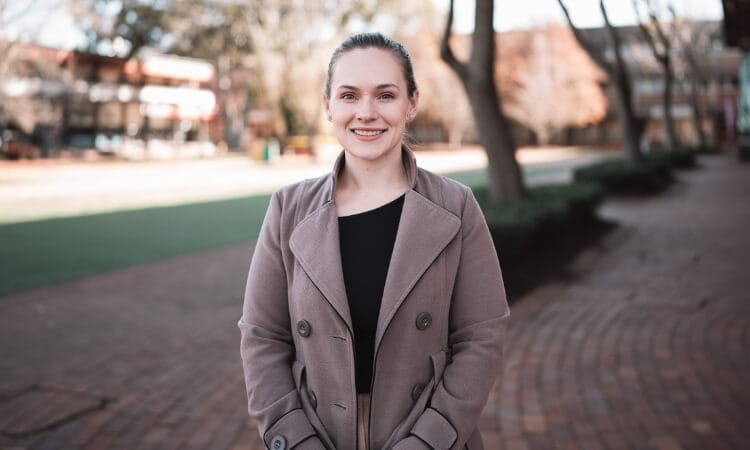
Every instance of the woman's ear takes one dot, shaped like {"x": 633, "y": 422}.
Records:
{"x": 413, "y": 102}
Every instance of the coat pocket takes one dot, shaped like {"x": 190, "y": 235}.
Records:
{"x": 308, "y": 404}
{"x": 438, "y": 360}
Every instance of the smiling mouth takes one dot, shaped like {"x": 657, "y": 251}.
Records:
{"x": 368, "y": 132}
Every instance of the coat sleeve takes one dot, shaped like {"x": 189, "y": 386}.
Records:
{"x": 477, "y": 327}
{"x": 267, "y": 347}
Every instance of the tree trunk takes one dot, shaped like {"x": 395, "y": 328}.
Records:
{"x": 505, "y": 179}
{"x": 632, "y": 125}
{"x": 697, "y": 114}
{"x": 455, "y": 136}
{"x": 477, "y": 76}
{"x": 663, "y": 57}
{"x": 542, "y": 135}
{"x": 673, "y": 141}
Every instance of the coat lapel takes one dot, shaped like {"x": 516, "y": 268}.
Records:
{"x": 423, "y": 232}
{"x": 425, "y": 228}
{"x": 315, "y": 243}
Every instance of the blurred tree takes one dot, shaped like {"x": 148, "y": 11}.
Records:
{"x": 660, "y": 44}
{"x": 694, "y": 41}
{"x": 120, "y": 27}
{"x": 632, "y": 125}
{"x": 477, "y": 77}
{"x": 548, "y": 82}
{"x": 277, "y": 48}
{"x": 32, "y": 79}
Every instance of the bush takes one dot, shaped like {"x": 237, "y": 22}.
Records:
{"x": 622, "y": 176}
{"x": 546, "y": 212}
{"x": 683, "y": 158}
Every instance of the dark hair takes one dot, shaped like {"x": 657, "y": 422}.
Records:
{"x": 377, "y": 40}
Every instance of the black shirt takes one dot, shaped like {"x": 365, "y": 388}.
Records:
{"x": 366, "y": 241}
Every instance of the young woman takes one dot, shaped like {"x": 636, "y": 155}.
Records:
{"x": 374, "y": 312}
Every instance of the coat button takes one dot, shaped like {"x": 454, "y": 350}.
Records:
{"x": 424, "y": 320}
{"x": 417, "y": 391}
{"x": 303, "y": 328}
{"x": 313, "y": 399}
{"x": 278, "y": 442}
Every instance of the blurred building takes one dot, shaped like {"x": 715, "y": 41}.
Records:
{"x": 151, "y": 106}
{"x": 716, "y": 79}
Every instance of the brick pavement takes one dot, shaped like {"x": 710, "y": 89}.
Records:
{"x": 644, "y": 345}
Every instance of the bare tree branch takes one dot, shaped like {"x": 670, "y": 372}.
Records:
{"x": 594, "y": 52}
{"x": 647, "y": 36}
{"x": 446, "y": 53}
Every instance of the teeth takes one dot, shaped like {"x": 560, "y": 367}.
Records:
{"x": 367, "y": 133}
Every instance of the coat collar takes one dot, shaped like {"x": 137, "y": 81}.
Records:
{"x": 425, "y": 228}
{"x": 407, "y": 159}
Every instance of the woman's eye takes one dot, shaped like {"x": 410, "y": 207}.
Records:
{"x": 347, "y": 96}
{"x": 387, "y": 96}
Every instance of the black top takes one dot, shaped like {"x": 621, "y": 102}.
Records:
{"x": 366, "y": 241}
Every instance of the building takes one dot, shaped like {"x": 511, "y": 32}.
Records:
{"x": 151, "y": 106}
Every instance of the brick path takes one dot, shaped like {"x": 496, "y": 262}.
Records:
{"x": 645, "y": 345}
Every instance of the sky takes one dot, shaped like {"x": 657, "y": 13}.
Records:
{"x": 49, "y": 22}
{"x": 514, "y": 14}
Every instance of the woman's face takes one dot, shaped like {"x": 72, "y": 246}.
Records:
{"x": 369, "y": 103}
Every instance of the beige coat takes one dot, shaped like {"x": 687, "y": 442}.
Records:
{"x": 440, "y": 333}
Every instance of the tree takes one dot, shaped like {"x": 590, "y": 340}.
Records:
{"x": 120, "y": 27}
{"x": 694, "y": 41}
{"x": 661, "y": 47}
{"x": 478, "y": 79}
{"x": 632, "y": 126}
{"x": 548, "y": 82}
{"x": 442, "y": 99}
{"x": 33, "y": 105}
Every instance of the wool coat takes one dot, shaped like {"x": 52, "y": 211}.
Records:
{"x": 440, "y": 330}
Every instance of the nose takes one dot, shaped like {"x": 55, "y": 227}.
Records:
{"x": 367, "y": 110}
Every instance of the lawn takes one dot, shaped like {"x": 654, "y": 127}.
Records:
{"x": 47, "y": 251}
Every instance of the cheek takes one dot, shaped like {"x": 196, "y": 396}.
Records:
{"x": 341, "y": 113}
{"x": 395, "y": 115}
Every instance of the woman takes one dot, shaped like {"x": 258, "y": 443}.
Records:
{"x": 374, "y": 312}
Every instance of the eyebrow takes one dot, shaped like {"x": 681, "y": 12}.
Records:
{"x": 378, "y": 87}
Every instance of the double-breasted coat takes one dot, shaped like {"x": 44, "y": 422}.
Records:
{"x": 440, "y": 330}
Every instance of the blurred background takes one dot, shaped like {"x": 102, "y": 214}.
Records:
{"x": 161, "y": 79}
{"x": 140, "y": 141}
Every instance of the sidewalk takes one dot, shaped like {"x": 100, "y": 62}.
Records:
{"x": 645, "y": 345}
{"x": 31, "y": 190}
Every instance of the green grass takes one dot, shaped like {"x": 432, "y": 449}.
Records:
{"x": 43, "y": 252}
{"x": 47, "y": 251}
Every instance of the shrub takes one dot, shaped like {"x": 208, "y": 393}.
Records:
{"x": 546, "y": 212}
{"x": 683, "y": 158}
{"x": 622, "y": 176}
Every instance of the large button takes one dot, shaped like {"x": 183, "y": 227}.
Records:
{"x": 417, "y": 391}
{"x": 313, "y": 399}
{"x": 303, "y": 328}
{"x": 424, "y": 320}
{"x": 278, "y": 442}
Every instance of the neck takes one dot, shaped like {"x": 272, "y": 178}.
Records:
{"x": 383, "y": 174}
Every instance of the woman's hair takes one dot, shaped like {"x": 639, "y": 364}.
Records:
{"x": 376, "y": 40}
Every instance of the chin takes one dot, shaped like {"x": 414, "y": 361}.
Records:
{"x": 370, "y": 151}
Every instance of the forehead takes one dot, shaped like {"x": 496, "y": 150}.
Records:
{"x": 367, "y": 67}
